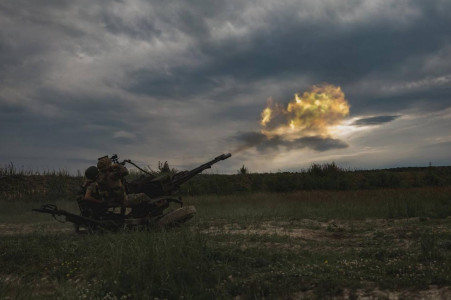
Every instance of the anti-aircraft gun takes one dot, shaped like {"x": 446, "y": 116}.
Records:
{"x": 164, "y": 189}
{"x": 159, "y": 192}
{"x": 167, "y": 184}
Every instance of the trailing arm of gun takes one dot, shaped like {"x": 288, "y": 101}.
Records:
{"x": 70, "y": 217}
{"x": 50, "y": 209}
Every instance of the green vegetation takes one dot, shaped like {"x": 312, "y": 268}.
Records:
{"x": 326, "y": 205}
{"x": 197, "y": 265}
{"x": 24, "y": 185}
{"x": 19, "y": 184}
{"x": 317, "y": 177}
{"x": 300, "y": 244}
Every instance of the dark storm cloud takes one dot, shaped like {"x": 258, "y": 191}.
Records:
{"x": 67, "y": 128}
{"x": 428, "y": 98}
{"x": 264, "y": 144}
{"x": 319, "y": 143}
{"x": 375, "y": 120}
{"x": 323, "y": 48}
{"x": 95, "y": 76}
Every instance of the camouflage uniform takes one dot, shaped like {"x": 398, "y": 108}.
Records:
{"x": 92, "y": 203}
{"x": 110, "y": 181}
{"x": 93, "y": 188}
{"x": 91, "y": 191}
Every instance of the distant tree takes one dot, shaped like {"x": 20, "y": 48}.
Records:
{"x": 243, "y": 170}
{"x": 164, "y": 167}
{"x": 327, "y": 169}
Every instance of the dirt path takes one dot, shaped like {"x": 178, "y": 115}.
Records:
{"x": 432, "y": 293}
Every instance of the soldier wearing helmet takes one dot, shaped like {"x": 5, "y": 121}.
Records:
{"x": 110, "y": 180}
{"x": 92, "y": 191}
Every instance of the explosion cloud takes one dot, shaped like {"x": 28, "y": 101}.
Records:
{"x": 309, "y": 114}
{"x": 307, "y": 121}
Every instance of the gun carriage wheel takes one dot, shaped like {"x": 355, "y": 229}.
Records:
{"x": 177, "y": 216}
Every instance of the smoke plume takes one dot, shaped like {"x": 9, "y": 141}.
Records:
{"x": 306, "y": 122}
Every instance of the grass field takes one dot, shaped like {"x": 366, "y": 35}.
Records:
{"x": 312, "y": 244}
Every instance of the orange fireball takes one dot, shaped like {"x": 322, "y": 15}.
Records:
{"x": 312, "y": 114}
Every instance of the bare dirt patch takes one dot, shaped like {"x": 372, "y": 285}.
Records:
{"x": 309, "y": 230}
{"x": 336, "y": 235}
{"x": 317, "y": 230}
{"x": 433, "y": 293}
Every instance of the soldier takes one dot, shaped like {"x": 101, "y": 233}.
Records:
{"x": 92, "y": 192}
{"x": 110, "y": 181}
{"x": 93, "y": 203}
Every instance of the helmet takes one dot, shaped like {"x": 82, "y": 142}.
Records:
{"x": 91, "y": 172}
{"x": 104, "y": 163}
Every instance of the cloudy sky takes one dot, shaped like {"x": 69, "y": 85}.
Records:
{"x": 185, "y": 81}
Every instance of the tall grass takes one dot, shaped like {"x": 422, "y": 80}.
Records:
{"x": 318, "y": 177}
{"x": 19, "y": 183}
{"x": 432, "y": 202}
{"x": 198, "y": 262}
{"x": 12, "y": 170}
{"x": 27, "y": 185}
{"x": 190, "y": 264}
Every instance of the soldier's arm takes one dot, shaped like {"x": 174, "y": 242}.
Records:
{"x": 90, "y": 197}
{"x": 120, "y": 170}
{"x": 124, "y": 170}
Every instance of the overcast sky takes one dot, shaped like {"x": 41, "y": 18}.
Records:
{"x": 184, "y": 81}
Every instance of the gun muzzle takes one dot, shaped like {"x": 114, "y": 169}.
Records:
{"x": 223, "y": 156}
